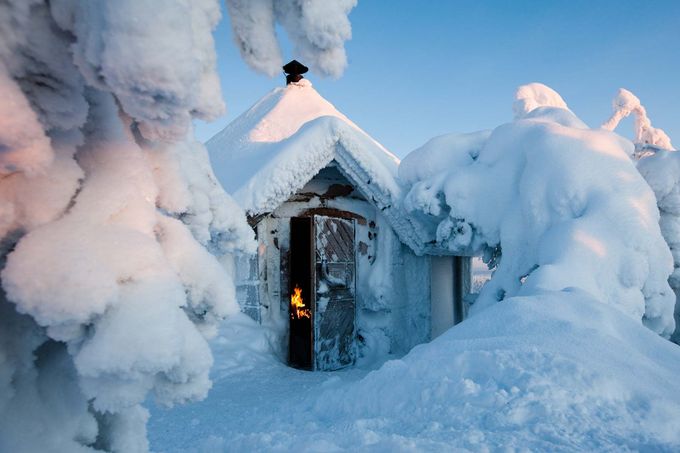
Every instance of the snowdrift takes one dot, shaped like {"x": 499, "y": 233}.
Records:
{"x": 557, "y": 371}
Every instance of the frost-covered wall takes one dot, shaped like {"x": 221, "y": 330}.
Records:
{"x": 392, "y": 284}
{"x": 537, "y": 196}
{"x": 108, "y": 208}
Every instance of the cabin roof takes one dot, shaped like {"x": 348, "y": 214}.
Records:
{"x": 271, "y": 151}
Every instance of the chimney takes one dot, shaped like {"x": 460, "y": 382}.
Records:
{"x": 294, "y": 71}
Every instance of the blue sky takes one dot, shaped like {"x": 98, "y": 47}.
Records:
{"x": 470, "y": 57}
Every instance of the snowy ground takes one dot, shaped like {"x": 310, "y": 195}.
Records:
{"x": 252, "y": 403}
{"x": 558, "y": 372}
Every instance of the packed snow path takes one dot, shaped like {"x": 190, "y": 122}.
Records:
{"x": 257, "y": 410}
{"x": 257, "y": 402}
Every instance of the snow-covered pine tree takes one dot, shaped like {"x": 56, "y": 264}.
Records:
{"x": 109, "y": 208}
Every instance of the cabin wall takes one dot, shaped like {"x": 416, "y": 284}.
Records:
{"x": 273, "y": 235}
{"x": 442, "y": 294}
{"x": 450, "y": 280}
{"x": 392, "y": 283}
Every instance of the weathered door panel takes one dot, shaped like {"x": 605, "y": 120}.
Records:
{"x": 335, "y": 304}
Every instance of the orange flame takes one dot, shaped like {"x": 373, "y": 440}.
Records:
{"x": 297, "y": 306}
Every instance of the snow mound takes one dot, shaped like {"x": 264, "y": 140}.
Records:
{"x": 552, "y": 372}
{"x": 554, "y": 205}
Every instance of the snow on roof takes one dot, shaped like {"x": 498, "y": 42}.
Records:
{"x": 271, "y": 151}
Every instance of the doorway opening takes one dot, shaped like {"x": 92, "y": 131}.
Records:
{"x": 301, "y": 301}
{"x": 322, "y": 306}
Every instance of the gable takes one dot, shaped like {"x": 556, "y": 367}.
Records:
{"x": 328, "y": 183}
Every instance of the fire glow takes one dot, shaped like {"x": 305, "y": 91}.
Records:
{"x": 297, "y": 306}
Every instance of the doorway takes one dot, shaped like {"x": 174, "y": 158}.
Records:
{"x": 322, "y": 293}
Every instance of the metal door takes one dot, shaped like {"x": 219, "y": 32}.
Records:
{"x": 334, "y": 313}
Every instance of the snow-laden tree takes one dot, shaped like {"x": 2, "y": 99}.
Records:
{"x": 659, "y": 164}
{"x": 662, "y": 172}
{"x": 553, "y": 204}
{"x": 646, "y": 136}
{"x": 109, "y": 212}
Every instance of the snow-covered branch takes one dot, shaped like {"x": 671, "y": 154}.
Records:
{"x": 317, "y": 28}
{"x": 626, "y": 103}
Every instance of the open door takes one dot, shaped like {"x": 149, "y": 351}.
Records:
{"x": 335, "y": 302}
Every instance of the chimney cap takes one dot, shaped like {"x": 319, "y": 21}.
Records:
{"x": 295, "y": 68}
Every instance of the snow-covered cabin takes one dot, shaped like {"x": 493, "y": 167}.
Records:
{"x": 342, "y": 271}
